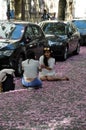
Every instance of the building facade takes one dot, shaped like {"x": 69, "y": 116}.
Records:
{"x": 31, "y": 10}
{"x": 3, "y": 9}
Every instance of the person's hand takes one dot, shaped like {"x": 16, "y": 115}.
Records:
{"x": 42, "y": 66}
{"x": 39, "y": 69}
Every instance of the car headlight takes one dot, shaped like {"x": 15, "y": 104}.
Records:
{"x": 6, "y": 53}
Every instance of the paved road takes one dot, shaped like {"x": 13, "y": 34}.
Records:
{"x": 59, "y": 105}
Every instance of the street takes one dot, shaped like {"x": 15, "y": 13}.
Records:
{"x": 59, "y": 105}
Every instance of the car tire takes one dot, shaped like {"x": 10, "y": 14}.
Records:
{"x": 76, "y": 52}
{"x": 65, "y": 55}
{"x": 18, "y": 68}
{"x": 81, "y": 42}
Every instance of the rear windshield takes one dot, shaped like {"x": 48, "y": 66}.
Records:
{"x": 54, "y": 28}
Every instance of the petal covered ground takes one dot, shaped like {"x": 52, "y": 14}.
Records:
{"x": 59, "y": 105}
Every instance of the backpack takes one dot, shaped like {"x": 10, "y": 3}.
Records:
{"x": 8, "y": 84}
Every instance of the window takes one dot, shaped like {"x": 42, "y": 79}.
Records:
{"x": 37, "y": 31}
{"x": 73, "y": 28}
{"x": 29, "y": 32}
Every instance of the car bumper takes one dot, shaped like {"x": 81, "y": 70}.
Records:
{"x": 4, "y": 63}
{"x": 58, "y": 50}
{"x": 83, "y": 40}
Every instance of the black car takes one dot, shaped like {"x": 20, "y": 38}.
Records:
{"x": 81, "y": 25}
{"x": 63, "y": 37}
{"x": 15, "y": 39}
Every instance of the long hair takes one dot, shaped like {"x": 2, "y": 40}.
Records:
{"x": 45, "y": 60}
{"x": 30, "y": 55}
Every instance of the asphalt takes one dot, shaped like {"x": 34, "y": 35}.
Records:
{"x": 59, "y": 105}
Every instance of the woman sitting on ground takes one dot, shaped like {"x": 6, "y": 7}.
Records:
{"x": 47, "y": 63}
{"x": 30, "y": 72}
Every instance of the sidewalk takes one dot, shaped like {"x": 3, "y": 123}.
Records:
{"x": 59, "y": 105}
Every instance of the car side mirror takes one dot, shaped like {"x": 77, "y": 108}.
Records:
{"x": 69, "y": 34}
{"x": 27, "y": 39}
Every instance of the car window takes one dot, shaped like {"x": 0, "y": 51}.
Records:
{"x": 37, "y": 31}
{"x": 73, "y": 29}
{"x": 81, "y": 24}
{"x": 54, "y": 28}
{"x": 17, "y": 32}
{"x": 29, "y": 32}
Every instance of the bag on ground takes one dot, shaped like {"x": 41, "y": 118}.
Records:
{"x": 8, "y": 84}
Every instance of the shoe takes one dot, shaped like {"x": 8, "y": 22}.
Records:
{"x": 37, "y": 87}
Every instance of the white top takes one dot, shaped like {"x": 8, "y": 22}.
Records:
{"x": 30, "y": 68}
{"x": 45, "y": 72}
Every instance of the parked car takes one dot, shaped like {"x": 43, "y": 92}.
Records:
{"x": 15, "y": 39}
{"x": 81, "y": 25}
{"x": 63, "y": 37}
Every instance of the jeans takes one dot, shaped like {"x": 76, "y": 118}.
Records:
{"x": 35, "y": 83}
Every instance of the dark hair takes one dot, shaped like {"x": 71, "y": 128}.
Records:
{"x": 45, "y": 60}
{"x": 46, "y": 48}
{"x": 30, "y": 55}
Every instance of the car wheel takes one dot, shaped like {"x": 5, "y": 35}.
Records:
{"x": 77, "y": 49}
{"x": 65, "y": 54}
{"x": 19, "y": 66}
{"x": 81, "y": 42}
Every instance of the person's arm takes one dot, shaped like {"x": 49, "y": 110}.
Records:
{"x": 41, "y": 64}
{"x": 46, "y": 67}
{"x": 51, "y": 64}
{"x": 22, "y": 68}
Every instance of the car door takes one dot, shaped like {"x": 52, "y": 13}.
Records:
{"x": 40, "y": 40}
{"x": 34, "y": 39}
{"x": 29, "y": 39}
{"x": 73, "y": 38}
{"x": 76, "y": 36}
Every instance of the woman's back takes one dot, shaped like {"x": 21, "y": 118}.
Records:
{"x": 30, "y": 68}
